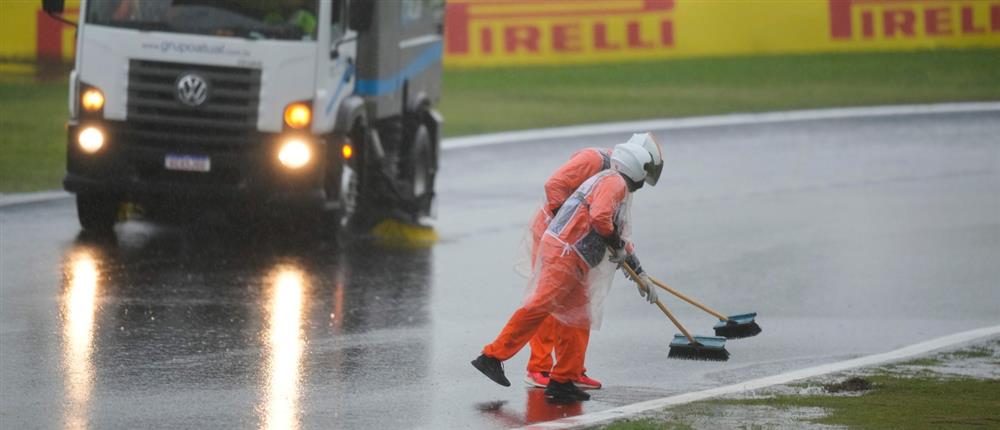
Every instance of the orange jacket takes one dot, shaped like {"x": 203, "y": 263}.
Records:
{"x": 591, "y": 216}
{"x": 581, "y": 166}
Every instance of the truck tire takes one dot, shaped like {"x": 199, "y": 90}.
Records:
{"x": 344, "y": 184}
{"x": 418, "y": 170}
{"x": 370, "y": 203}
{"x": 97, "y": 212}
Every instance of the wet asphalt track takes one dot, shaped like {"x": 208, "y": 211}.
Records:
{"x": 849, "y": 237}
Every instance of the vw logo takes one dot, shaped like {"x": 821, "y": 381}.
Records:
{"x": 192, "y": 90}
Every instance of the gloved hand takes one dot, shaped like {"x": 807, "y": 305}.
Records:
{"x": 633, "y": 262}
{"x": 648, "y": 293}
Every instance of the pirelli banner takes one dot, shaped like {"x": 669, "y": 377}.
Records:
{"x": 521, "y": 32}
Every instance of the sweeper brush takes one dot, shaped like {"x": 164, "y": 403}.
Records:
{"x": 731, "y": 327}
{"x": 709, "y": 348}
{"x": 685, "y": 346}
{"x": 738, "y": 326}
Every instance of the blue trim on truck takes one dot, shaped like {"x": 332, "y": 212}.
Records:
{"x": 377, "y": 87}
{"x": 344, "y": 79}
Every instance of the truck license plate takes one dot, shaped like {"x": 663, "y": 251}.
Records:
{"x": 188, "y": 163}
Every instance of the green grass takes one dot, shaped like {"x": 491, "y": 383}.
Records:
{"x": 896, "y": 402}
{"x": 32, "y": 135}
{"x": 905, "y": 402}
{"x": 648, "y": 424}
{"x": 928, "y": 361}
{"x": 976, "y": 352}
{"x": 892, "y": 400}
{"x": 477, "y": 101}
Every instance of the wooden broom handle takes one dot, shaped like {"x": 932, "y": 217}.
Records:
{"x": 676, "y": 323}
{"x": 659, "y": 304}
{"x": 688, "y": 299}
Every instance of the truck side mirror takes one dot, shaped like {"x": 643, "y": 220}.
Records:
{"x": 53, "y": 6}
{"x": 54, "y": 9}
{"x": 360, "y": 15}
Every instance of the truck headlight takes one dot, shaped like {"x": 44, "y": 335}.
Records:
{"x": 298, "y": 115}
{"x": 294, "y": 153}
{"x": 91, "y": 139}
{"x": 92, "y": 100}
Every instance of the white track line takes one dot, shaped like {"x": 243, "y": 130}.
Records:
{"x": 606, "y": 416}
{"x": 25, "y": 198}
{"x": 714, "y": 121}
{"x": 655, "y": 124}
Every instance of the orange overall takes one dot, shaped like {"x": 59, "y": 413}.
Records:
{"x": 573, "y": 243}
{"x": 581, "y": 166}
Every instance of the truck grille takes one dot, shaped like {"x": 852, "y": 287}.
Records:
{"x": 156, "y": 117}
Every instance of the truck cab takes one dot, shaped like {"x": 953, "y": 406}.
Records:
{"x": 325, "y": 105}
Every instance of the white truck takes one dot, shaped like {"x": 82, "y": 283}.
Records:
{"x": 322, "y": 105}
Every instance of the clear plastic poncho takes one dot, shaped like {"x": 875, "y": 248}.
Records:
{"x": 571, "y": 280}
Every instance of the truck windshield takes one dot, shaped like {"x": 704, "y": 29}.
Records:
{"x": 252, "y": 19}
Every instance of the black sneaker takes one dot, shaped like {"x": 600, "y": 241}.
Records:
{"x": 564, "y": 392}
{"x": 492, "y": 368}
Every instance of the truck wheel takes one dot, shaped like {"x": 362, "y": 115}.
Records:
{"x": 96, "y": 212}
{"x": 369, "y": 200}
{"x": 347, "y": 196}
{"x": 418, "y": 172}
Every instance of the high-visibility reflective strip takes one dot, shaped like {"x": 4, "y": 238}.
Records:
{"x": 575, "y": 200}
{"x": 592, "y": 246}
{"x": 605, "y": 158}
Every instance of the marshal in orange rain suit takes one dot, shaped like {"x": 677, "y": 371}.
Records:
{"x": 580, "y": 167}
{"x": 574, "y": 241}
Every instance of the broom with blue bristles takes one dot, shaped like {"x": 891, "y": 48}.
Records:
{"x": 685, "y": 346}
{"x": 729, "y": 327}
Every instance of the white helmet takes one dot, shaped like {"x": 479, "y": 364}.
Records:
{"x": 630, "y": 160}
{"x": 648, "y": 142}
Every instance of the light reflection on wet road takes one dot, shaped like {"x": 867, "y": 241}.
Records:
{"x": 849, "y": 237}
{"x": 78, "y": 307}
{"x": 168, "y": 327}
{"x": 284, "y": 348}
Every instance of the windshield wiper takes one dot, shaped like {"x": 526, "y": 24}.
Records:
{"x": 252, "y": 33}
{"x": 141, "y": 25}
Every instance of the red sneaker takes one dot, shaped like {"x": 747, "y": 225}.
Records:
{"x": 587, "y": 383}
{"x": 537, "y": 379}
